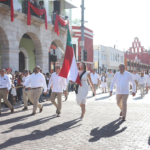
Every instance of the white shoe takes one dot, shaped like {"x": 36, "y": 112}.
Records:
{"x": 81, "y": 119}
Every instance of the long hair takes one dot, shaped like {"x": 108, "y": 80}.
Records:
{"x": 84, "y": 66}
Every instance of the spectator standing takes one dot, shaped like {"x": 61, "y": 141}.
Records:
{"x": 5, "y": 85}
{"x": 122, "y": 80}
{"x": 109, "y": 76}
{"x": 95, "y": 80}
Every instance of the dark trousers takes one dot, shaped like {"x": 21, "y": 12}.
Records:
{"x": 19, "y": 94}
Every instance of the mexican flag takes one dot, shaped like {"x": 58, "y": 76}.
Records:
{"x": 69, "y": 69}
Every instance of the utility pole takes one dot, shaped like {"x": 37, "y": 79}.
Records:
{"x": 98, "y": 59}
{"x": 82, "y": 30}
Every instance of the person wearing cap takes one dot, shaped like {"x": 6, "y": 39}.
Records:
{"x": 37, "y": 81}
{"x": 95, "y": 80}
{"x": 59, "y": 84}
{"x": 135, "y": 77}
{"x": 122, "y": 80}
{"x": 5, "y": 85}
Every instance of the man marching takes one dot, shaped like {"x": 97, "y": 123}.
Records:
{"x": 122, "y": 80}
{"x": 5, "y": 85}
{"x": 59, "y": 84}
{"x": 38, "y": 82}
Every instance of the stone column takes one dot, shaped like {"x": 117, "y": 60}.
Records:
{"x": 42, "y": 61}
{"x": 26, "y": 63}
{"x": 10, "y": 59}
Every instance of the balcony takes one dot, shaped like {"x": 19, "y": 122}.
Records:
{"x": 20, "y": 12}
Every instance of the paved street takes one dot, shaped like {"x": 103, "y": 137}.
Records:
{"x": 101, "y": 128}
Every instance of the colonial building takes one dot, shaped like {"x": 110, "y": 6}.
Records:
{"x": 108, "y": 58}
{"x": 137, "y": 57}
{"x": 88, "y": 45}
{"x": 23, "y": 46}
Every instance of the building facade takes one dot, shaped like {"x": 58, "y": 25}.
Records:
{"x": 108, "y": 58}
{"x": 88, "y": 45}
{"x": 137, "y": 57}
{"x": 22, "y": 46}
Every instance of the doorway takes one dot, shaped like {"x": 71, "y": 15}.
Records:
{"x": 21, "y": 62}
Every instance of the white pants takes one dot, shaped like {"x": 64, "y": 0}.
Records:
{"x": 142, "y": 86}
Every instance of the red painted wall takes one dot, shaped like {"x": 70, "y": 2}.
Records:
{"x": 88, "y": 45}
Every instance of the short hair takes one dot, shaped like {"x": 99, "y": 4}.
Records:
{"x": 122, "y": 65}
{"x": 25, "y": 71}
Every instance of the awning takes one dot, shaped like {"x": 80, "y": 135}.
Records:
{"x": 69, "y": 4}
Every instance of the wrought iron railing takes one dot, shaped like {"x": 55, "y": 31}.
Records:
{"x": 25, "y": 9}
{"x": 7, "y": 2}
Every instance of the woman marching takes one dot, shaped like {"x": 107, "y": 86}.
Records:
{"x": 104, "y": 83}
{"x": 82, "y": 91}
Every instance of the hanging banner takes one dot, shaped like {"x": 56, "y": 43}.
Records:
{"x": 61, "y": 21}
{"x": 39, "y": 12}
{"x": 11, "y": 8}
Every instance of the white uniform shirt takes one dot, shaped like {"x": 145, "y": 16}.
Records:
{"x": 135, "y": 76}
{"x": 37, "y": 80}
{"x": 142, "y": 80}
{"x": 10, "y": 77}
{"x": 109, "y": 77}
{"x": 5, "y": 82}
{"x": 25, "y": 80}
{"x": 59, "y": 83}
{"x": 148, "y": 79}
{"x": 122, "y": 82}
{"x": 94, "y": 78}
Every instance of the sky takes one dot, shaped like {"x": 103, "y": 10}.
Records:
{"x": 116, "y": 21}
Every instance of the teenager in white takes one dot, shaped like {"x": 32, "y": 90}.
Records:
{"x": 110, "y": 76}
{"x": 82, "y": 91}
{"x": 142, "y": 82}
{"x": 59, "y": 84}
{"x": 135, "y": 78}
{"x": 95, "y": 80}
{"x": 148, "y": 83}
{"x": 104, "y": 82}
{"x": 122, "y": 80}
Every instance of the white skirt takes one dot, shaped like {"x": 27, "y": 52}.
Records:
{"x": 104, "y": 84}
{"x": 13, "y": 92}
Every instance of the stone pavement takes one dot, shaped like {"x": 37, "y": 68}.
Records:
{"x": 101, "y": 128}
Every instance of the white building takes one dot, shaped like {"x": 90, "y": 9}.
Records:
{"x": 109, "y": 58}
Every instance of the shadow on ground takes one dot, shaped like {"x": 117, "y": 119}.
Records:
{"x": 38, "y": 134}
{"x": 107, "y": 131}
{"x": 102, "y": 98}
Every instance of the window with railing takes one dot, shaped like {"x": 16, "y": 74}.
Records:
{"x": 7, "y": 2}
{"x": 128, "y": 63}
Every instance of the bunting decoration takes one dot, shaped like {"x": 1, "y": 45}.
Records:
{"x": 39, "y": 12}
{"x": 61, "y": 21}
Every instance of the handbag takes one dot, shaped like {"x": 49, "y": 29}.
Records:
{"x": 77, "y": 85}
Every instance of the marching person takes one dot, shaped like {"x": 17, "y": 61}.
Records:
{"x": 95, "y": 80}
{"x": 142, "y": 82}
{"x": 59, "y": 84}
{"x": 135, "y": 78}
{"x": 5, "y": 85}
{"x": 148, "y": 83}
{"x": 27, "y": 90}
{"x": 38, "y": 82}
{"x": 104, "y": 82}
{"x": 109, "y": 76}
{"x": 82, "y": 91}
{"x": 122, "y": 80}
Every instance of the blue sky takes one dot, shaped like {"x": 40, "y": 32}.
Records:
{"x": 117, "y": 20}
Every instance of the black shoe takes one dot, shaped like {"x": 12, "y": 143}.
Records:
{"x": 33, "y": 114}
{"x": 40, "y": 101}
{"x": 25, "y": 108}
{"x": 66, "y": 98}
{"x": 43, "y": 100}
{"x": 93, "y": 94}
